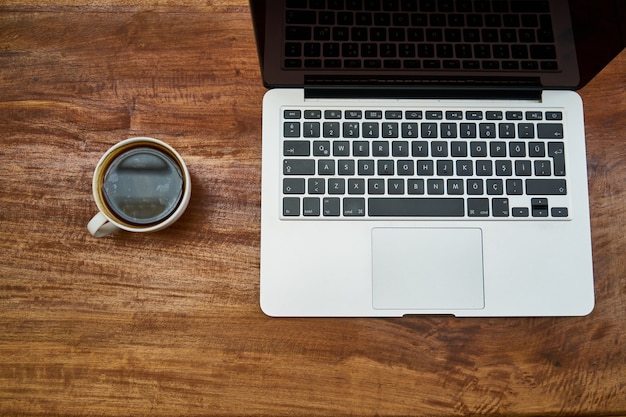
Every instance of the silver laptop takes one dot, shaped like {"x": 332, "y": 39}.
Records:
{"x": 425, "y": 157}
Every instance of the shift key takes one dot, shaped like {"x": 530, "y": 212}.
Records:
{"x": 546, "y": 187}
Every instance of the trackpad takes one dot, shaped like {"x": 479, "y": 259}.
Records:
{"x": 427, "y": 268}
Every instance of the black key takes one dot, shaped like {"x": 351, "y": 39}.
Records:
{"x": 526, "y": 130}
{"x": 546, "y": 187}
{"x": 311, "y": 206}
{"x": 487, "y": 130}
{"x": 313, "y": 63}
{"x": 478, "y": 149}
{"x": 556, "y": 151}
{"x": 326, "y": 167}
{"x": 336, "y": 186}
{"x": 513, "y": 115}
{"x": 293, "y": 185}
{"x": 395, "y": 186}
{"x": 454, "y": 115}
{"x": 365, "y": 167}
{"x": 312, "y": 114}
{"x": 475, "y": 187}
{"x": 350, "y": 129}
{"x": 354, "y": 207}
{"x": 301, "y": 17}
{"x": 416, "y": 207}
{"x": 534, "y": 115}
{"x": 455, "y": 186}
{"x": 514, "y": 187}
{"x": 345, "y": 167}
{"x": 409, "y": 130}
{"x": 296, "y": 148}
{"x": 376, "y": 186}
{"x": 298, "y": 167}
{"x": 550, "y": 131}
{"x": 458, "y": 149}
{"x": 464, "y": 167}
{"x": 429, "y": 130}
{"x": 370, "y": 130}
{"x": 537, "y": 150}
{"x": 321, "y": 148}
{"x": 415, "y": 186}
{"x": 517, "y": 149}
{"x": 393, "y": 114}
{"x": 380, "y": 148}
{"x": 439, "y": 148}
{"x": 542, "y": 52}
{"x": 293, "y": 63}
{"x": 494, "y": 115}
{"x": 448, "y": 130}
{"x": 311, "y": 130}
{"x": 542, "y": 168}
{"x": 291, "y": 206}
{"x": 500, "y": 207}
{"x": 292, "y": 114}
{"x": 497, "y": 149}
{"x": 390, "y": 130}
{"x": 559, "y": 211}
{"x": 400, "y": 148}
{"x": 316, "y": 186}
{"x": 373, "y": 114}
{"x": 291, "y": 129}
{"x": 298, "y": 33}
{"x": 331, "y": 206}
{"x": 468, "y": 130}
{"x": 445, "y": 167}
{"x": 385, "y": 167}
{"x": 419, "y": 148}
{"x": 495, "y": 187}
{"x": 331, "y": 129}
{"x": 478, "y": 207}
{"x": 341, "y": 148}
{"x": 425, "y": 167}
{"x": 522, "y": 168}
{"x": 539, "y": 207}
{"x": 505, "y": 130}
{"x": 413, "y": 114}
{"x": 520, "y": 211}
{"x": 530, "y": 6}
{"x": 474, "y": 115}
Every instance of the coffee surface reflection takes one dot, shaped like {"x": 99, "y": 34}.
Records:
{"x": 143, "y": 186}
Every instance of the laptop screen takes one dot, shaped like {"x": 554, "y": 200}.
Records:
{"x": 437, "y": 44}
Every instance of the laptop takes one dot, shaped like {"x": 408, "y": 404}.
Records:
{"x": 427, "y": 156}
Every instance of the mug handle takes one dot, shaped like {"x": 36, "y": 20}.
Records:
{"x": 100, "y": 226}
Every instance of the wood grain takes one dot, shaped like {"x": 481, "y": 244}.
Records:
{"x": 169, "y": 323}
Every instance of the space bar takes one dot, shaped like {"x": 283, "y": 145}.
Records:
{"x": 416, "y": 207}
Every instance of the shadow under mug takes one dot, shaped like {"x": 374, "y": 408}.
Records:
{"x": 140, "y": 184}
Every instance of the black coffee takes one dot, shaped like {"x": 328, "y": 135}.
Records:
{"x": 143, "y": 186}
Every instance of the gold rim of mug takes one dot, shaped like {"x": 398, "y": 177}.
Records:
{"x": 124, "y": 146}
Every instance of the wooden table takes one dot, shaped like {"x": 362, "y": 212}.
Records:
{"x": 169, "y": 323}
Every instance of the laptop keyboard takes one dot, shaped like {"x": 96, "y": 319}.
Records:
{"x": 420, "y": 34}
{"x": 385, "y": 162}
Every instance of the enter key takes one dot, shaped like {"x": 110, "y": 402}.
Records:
{"x": 556, "y": 150}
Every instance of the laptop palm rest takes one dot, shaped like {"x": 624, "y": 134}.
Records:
{"x": 427, "y": 268}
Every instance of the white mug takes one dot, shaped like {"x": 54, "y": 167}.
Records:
{"x": 140, "y": 184}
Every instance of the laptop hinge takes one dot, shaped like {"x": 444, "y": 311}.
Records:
{"x": 434, "y": 88}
